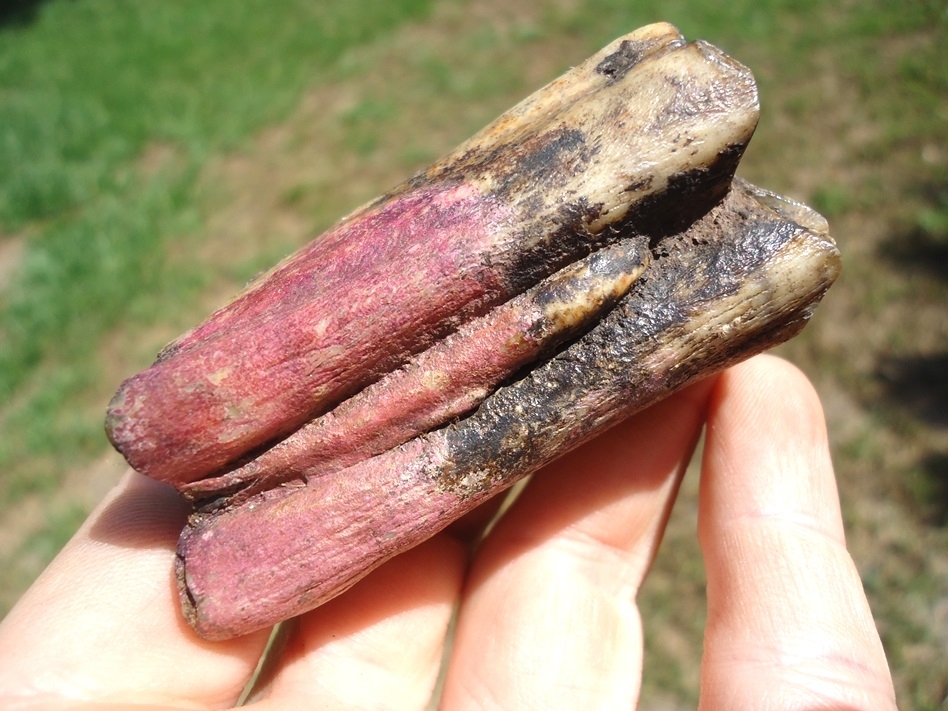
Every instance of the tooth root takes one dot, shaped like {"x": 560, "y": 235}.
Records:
{"x": 446, "y": 381}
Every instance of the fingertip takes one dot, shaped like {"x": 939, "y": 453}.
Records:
{"x": 765, "y": 386}
{"x": 767, "y": 451}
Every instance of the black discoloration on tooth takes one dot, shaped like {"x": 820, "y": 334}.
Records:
{"x": 631, "y": 52}
{"x": 689, "y": 195}
{"x": 620, "y": 62}
{"x": 719, "y": 270}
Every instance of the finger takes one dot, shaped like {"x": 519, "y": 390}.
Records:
{"x": 103, "y": 622}
{"x": 378, "y": 646}
{"x": 788, "y": 622}
{"x": 548, "y": 619}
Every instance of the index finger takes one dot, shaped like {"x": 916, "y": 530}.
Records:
{"x": 789, "y": 626}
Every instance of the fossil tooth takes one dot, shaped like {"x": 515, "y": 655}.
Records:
{"x": 579, "y": 259}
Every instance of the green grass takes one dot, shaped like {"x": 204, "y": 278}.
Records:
{"x": 85, "y": 91}
{"x": 89, "y": 85}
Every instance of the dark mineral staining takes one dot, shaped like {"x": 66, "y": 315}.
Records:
{"x": 620, "y": 62}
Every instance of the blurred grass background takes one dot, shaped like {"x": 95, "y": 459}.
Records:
{"x": 156, "y": 154}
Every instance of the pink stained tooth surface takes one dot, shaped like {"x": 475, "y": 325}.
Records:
{"x": 341, "y": 313}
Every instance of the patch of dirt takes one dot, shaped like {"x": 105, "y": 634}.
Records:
{"x": 159, "y": 158}
{"x": 11, "y": 251}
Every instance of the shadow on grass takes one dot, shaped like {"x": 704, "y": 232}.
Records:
{"x": 919, "y": 384}
{"x": 934, "y": 468}
{"x": 19, "y": 13}
{"x": 923, "y": 247}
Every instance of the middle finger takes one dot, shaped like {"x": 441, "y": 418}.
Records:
{"x": 548, "y": 619}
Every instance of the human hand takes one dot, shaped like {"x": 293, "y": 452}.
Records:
{"x": 547, "y": 615}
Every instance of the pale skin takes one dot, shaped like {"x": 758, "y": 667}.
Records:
{"x": 548, "y": 616}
